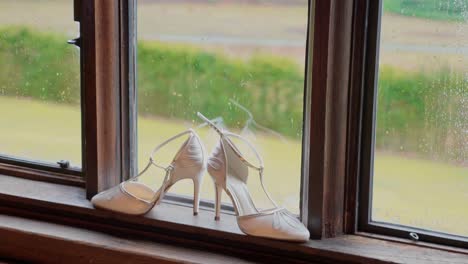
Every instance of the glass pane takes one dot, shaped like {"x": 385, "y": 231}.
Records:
{"x": 39, "y": 82}
{"x": 207, "y": 56}
{"x": 421, "y": 167}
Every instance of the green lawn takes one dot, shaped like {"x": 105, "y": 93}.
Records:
{"x": 422, "y": 193}
{"x": 407, "y": 191}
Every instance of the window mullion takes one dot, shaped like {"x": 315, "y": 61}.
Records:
{"x": 355, "y": 111}
{"x": 100, "y": 29}
{"x": 323, "y": 196}
{"x": 129, "y": 110}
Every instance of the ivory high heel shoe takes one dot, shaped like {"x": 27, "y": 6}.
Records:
{"x": 229, "y": 170}
{"x": 131, "y": 197}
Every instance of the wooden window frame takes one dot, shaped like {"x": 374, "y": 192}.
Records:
{"x": 338, "y": 38}
{"x": 109, "y": 93}
{"x": 366, "y": 142}
{"x": 107, "y": 102}
{"x": 325, "y": 111}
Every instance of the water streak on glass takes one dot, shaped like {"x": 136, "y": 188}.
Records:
{"x": 40, "y": 115}
{"x": 421, "y": 166}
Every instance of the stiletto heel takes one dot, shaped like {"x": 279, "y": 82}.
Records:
{"x": 229, "y": 170}
{"x": 218, "y": 194}
{"x": 196, "y": 195}
{"x": 132, "y": 197}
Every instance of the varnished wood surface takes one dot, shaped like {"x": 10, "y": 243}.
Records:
{"x": 175, "y": 225}
{"x": 100, "y": 29}
{"x": 317, "y": 125}
{"x": 37, "y": 241}
{"x": 128, "y": 88}
{"x": 354, "y": 122}
{"x": 328, "y": 108}
{"x": 48, "y": 176}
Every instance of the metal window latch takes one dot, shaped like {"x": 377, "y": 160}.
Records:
{"x": 414, "y": 236}
{"x": 64, "y": 164}
{"x": 75, "y": 41}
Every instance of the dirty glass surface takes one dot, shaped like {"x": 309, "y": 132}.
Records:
{"x": 40, "y": 115}
{"x": 240, "y": 61}
{"x": 421, "y": 144}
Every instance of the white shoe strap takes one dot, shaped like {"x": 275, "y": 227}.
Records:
{"x": 226, "y": 134}
{"x": 158, "y": 147}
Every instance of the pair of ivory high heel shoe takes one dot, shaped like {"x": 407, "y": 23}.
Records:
{"x": 229, "y": 171}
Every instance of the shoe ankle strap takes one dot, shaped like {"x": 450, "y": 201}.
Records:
{"x": 226, "y": 134}
{"x": 152, "y": 161}
{"x": 260, "y": 167}
{"x": 210, "y": 123}
{"x": 158, "y": 147}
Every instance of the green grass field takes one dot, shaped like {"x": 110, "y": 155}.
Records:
{"x": 407, "y": 191}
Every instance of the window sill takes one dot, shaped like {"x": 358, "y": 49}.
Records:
{"x": 176, "y": 226}
{"x": 32, "y": 240}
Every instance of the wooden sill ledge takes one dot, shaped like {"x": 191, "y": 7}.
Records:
{"x": 171, "y": 228}
{"x": 32, "y": 240}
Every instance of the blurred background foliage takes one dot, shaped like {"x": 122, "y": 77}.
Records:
{"x": 454, "y": 10}
{"x": 174, "y": 75}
